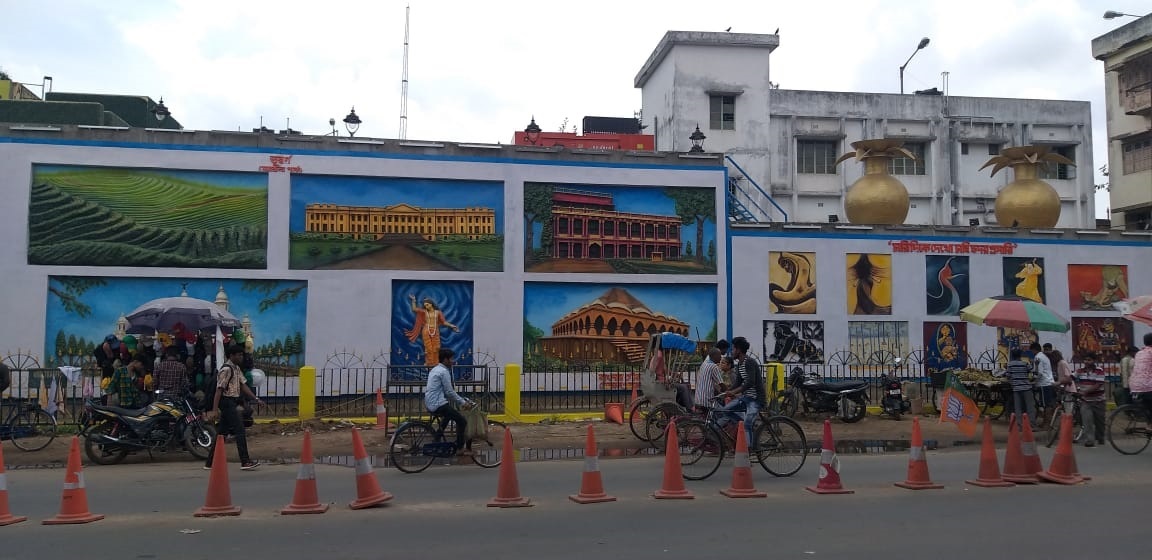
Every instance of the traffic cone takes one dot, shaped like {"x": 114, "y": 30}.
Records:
{"x": 918, "y": 478}
{"x": 1032, "y": 463}
{"x": 6, "y": 517}
{"x": 673, "y": 487}
{"x": 989, "y": 476}
{"x": 368, "y": 492}
{"x": 304, "y": 499}
{"x": 829, "y": 480}
{"x": 591, "y": 485}
{"x": 508, "y": 488}
{"x": 219, "y": 499}
{"x": 74, "y": 504}
{"x": 381, "y": 412}
{"x": 614, "y": 412}
{"x": 742, "y": 486}
{"x": 1014, "y": 468}
{"x": 1062, "y": 469}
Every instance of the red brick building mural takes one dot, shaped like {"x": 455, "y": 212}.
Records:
{"x": 586, "y": 225}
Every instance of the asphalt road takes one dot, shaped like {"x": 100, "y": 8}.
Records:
{"x": 441, "y": 513}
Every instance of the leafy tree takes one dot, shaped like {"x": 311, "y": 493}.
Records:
{"x": 298, "y": 346}
{"x": 61, "y": 344}
{"x": 687, "y": 248}
{"x": 695, "y": 206}
{"x": 712, "y": 251}
{"x": 69, "y": 291}
{"x": 532, "y": 336}
{"x": 537, "y": 208}
{"x": 711, "y": 336}
{"x": 74, "y": 345}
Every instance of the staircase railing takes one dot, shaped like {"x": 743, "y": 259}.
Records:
{"x": 736, "y": 190}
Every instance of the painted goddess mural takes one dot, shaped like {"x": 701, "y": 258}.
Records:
{"x": 428, "y": 320}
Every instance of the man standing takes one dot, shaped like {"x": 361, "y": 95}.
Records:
{"x": 171, "y": 375}
{"x": 1090, "y": 383}
{"x": 1045, "y": 380}
{"x": 1140, "y": 383}
{"x": 229, "y": 386}
{"x": 1022, "y": 399}
{"x": 749, "y": 385}
{"x": 709, "y": 380}
{"x": 439, "y": 396}
{"x": 1122, "y": 394}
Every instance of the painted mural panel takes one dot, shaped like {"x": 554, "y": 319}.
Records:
{"x": 82, "y": 310}
{"x": 1024, "y": 277}
{"x": 946, "y": 284}
{"x": 869, "y": 284}
{"x": 794, "y": 342}
{"x": 945, "y": 345}
{"x": 569, "y": 323}
{"x": 1106, "y": 337}
{"x": 428, "y": 316}
{"x": 103, "y": 216}
{"x": 1095, "y": 287}
{"x": 791, "y": 282}
{"x": 395, "y": 223}
{"x": 622, "y": 230}
{"x": 878, "y": 342}
{"x": 1007, "y": 339}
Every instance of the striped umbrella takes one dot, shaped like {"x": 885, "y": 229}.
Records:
{"x": 1136, "y": 309}
{"x": 1014, "y": 312}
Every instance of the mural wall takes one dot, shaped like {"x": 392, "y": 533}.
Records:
{"x": 402, "y": 224}
{"x": 109, "y": 216}
{"x": 946, "y": 284}
{"x": 794, "y": 342}
{"x": 428, "y": 316}
{"x": 1024, "y": 276}
{"x": 622, "y": 230}
{"x": 869, "y": 284}
{"x": 945, "y": 345}
{"x": 1095, "y": 287}
{"x": 878, "y": 342}
{"x": 792, "y": 282}
{"x": 1106, "y": 338}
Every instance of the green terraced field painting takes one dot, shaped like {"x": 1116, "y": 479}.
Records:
{"x": 98, "y": 216}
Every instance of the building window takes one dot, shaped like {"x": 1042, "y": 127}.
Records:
{"x": 816, "y": 156}
{"x": 1140, "y": 220}
{"x": 577, "y": 227}
{"x": 905, "y": 166}
{"x": 609, "y": 228}
{"x": 993, "y": 149}
{"x": 1137, "y": 155}
{"x": 722, "y": 112}
{"x": 562, "y": 225}
{"x": 593, "y": 227}
{"x": 1059, "y": 171}
{"x": 963, "y": 148}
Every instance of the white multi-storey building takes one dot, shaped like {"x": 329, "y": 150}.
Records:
{"x": 782, "y": 144}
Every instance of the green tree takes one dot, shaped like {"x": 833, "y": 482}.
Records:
{"x": 695, "y": 206}
{"x": 278, "y": 349}
{"x": 61, "y": 344}
{"x": 711, "y": 336}
{"x": 69, "y": 291}
{"x": 687, "y": 248}
{"x": 532, "y": 336}
{"x": 537, "y": 208}
{"x": 74, "y": 345}
{"x": 298, "y": 346}
{"x": 712, "y": 251}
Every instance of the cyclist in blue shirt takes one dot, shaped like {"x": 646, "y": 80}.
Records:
{"x": 439, "y": 395}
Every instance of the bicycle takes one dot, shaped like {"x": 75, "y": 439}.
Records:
{"x": 1069, "y": 404}
{"x": 1130, "y": 428}
{"x": 30, "y": 427}
{"x": 417, "y": 443}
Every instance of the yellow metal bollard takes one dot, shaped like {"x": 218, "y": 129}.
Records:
{"x": 512, "y": 392}
{"x": 307, "y": 398}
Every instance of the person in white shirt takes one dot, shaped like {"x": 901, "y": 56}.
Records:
{"x": 439, "y": 395}
{"x": 1045, "y": 380}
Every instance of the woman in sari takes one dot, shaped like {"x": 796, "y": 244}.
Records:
{"x": 429, "y": 318}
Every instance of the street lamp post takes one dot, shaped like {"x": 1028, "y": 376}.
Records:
{"x": 923, "y": 43}
{"x": 532, "y": 132}
{"x": 697, "y": 139}
{"x": 160, "y": 111}
{"x": 1110, "y": 14}
{"x": 352, "y": 123}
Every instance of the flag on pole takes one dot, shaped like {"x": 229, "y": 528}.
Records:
{"x": 957, "y": 407}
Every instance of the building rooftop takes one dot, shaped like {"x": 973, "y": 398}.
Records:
{"x": 1122, "y": 37}
{"x": 705, "y": 39}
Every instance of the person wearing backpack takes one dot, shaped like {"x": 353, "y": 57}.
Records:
{"x": 230, "y": 387}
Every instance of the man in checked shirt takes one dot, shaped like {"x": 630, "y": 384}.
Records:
{"x": 171, "y": 375}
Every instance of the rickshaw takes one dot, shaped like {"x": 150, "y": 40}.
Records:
{"x": 664, "y": 361}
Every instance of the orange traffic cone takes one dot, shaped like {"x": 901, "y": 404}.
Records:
{"x": 591, "y": 485}
{"x": 918, "y": 478}
{"x": 508, "y": 487}
{"x": 614, "y": 412}
{"x": 6, "y": 517}
{"x": 381, "y": 412}
{"x": 673, "y": 487}
{"x": 829, "y": 480}
{"x": 989, "y": 476}
{"x": 1062, "y": 469}
{"x": 368, "y": 492}
{"x": 218, "y": 502}
{"x": 1032, "y": 463}
{"x": 742, "y": 486}
{"x": 305, "y": 499}
{"x": 1014, "y": 468}
{"x": 74, "y": 504}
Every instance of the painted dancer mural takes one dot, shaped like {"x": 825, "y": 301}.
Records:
{"x": 791, "y": 282}
{"x": 946, "y": 284}
{"x": 428, "y": 316}
{"x": 869, "y": 284}
{"x": 395, "y": 223}
{"x": 106, "y": 216}
{"x": 1095, "y": 287}
{"x": 794, "y": 342}
{"x": 628, "y": 230}
{"x": 1024, "y": 276}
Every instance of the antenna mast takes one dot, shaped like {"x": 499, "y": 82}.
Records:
{"x": 404, "y": 82}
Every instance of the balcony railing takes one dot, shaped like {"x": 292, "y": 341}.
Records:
{"x": 1137, "y": 99}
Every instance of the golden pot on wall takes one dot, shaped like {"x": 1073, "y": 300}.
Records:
{"x": 877, "y": 197}
{"x": 1027, "y": 201}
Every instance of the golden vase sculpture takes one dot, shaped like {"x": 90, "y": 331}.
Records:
{"x": 877, "y": 197}
{"x": 1027, "y": 201}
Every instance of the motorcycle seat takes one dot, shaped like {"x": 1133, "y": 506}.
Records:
{"x": 121, "y": 411}
{"x": 843, "y": 385}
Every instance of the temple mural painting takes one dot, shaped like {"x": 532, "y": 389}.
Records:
{"x": 1104, "y": 337}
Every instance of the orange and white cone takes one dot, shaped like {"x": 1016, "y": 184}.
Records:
{"x": 673, "y": 487}
{"x": 368, "y": 492}
{"x": 1032, "y": 464}
{"x": 742, "y": 486}
{"x": 829, "y": 480}
{"x": 989, "y": 476}
{"x": 918, "y": 478}
{"x": 381, "y": 412}
{"x": 591, "y": 485}
{"x": 305, "y": 499}
{"x": 6, "y": 517}
{"x": 74, "y": 503}
{"x": 218, "y": 501}
{"x": 508, "y": 487}
{"x": 1062, "y": 469}
{"x": 1015, "y": 469}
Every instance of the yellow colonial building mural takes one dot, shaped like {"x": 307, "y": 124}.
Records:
{"x": 377, "y": 222}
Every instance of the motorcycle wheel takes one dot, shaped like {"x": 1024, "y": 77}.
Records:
{"x": 789, "y": 403}
{"x": 102, "y": 453}
{"x": 860, "y": 409}
{"x": 198, "y": 439}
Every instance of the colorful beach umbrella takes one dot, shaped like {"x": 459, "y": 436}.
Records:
{"x": 1014, "y": 312}
{"x": 1138, "y": 308}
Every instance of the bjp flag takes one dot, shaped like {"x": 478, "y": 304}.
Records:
{"x": 957, "y": 407}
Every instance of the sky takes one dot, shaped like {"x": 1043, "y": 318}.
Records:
{"x": 480, "y": 70}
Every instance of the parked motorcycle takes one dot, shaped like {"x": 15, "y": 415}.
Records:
{"x": 848, "y": 399}
{"x": 167, "y": 423}
{"x": 893, "y": 402}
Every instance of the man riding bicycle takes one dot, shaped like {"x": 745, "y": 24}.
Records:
{"x": 439, "y": 396}
{"x": 1140, "y": 381}
{"x": 749, "y": 385}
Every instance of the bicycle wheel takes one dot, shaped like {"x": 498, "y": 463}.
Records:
{"x": 490, "y": 450}
{"x": 32, "y": 429}
{"x": 781, "y": 447}
{"x": 994, "y": 404}
{"x": 701, "y": 449}
{"x": 407, "y": 448}
{"x": 637, "y": 414}
{"x": 1054, "y": 426}
{"x": 656, "y": 425}
{"x": 1129, "y": 429}
{"x": 789, "y": 403}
